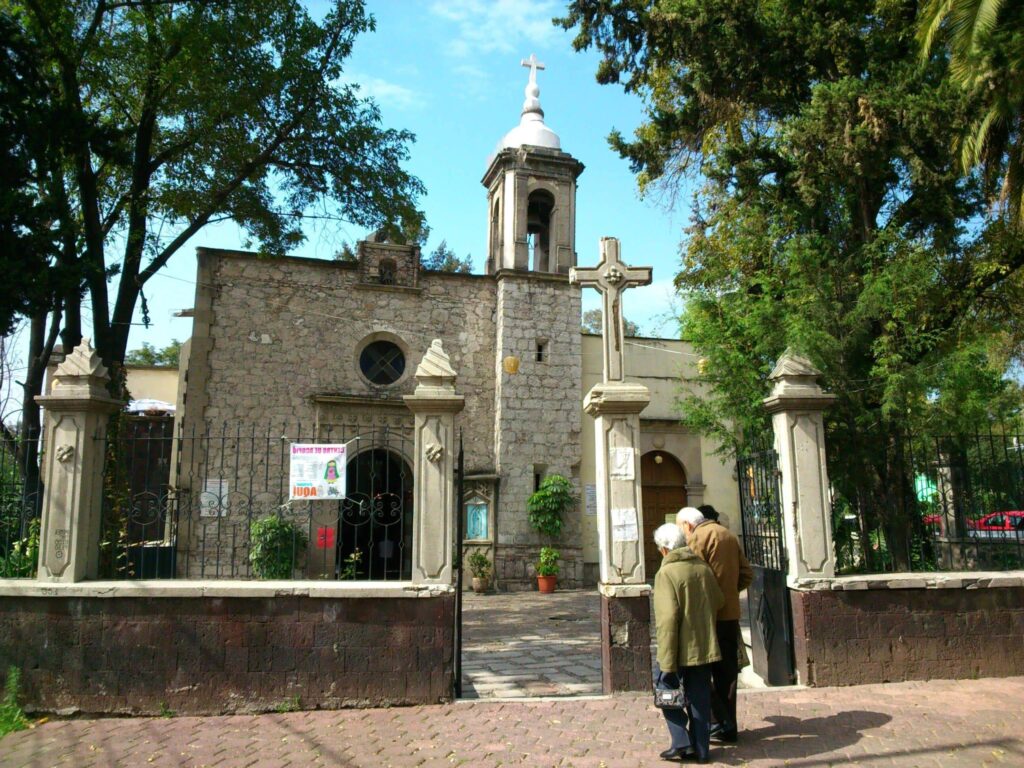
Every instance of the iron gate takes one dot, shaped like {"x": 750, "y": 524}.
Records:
{"x": 771, "y": 619}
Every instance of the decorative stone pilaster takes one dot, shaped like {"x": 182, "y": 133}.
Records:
{"x": 78, "y": 408}
{"x": 796, "y": 404}
{"x": 435, "y": 404}
{"x": 616, "y": 407}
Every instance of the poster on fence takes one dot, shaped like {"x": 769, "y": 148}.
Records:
{"x": 317, "y": 471}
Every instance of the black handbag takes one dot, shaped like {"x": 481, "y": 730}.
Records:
{"x": 670, "y": 698}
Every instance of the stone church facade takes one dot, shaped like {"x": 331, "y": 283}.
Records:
{"x": 335, "y": 344}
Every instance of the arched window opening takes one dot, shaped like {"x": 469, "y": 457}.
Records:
{"x": 540, "y": 206}
{"x": 387, "y": 270}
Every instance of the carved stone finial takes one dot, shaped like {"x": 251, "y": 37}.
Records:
{"x": 82, "y": 362}
{"x": 792, "y": 364}
{"x": 435, "y": 370}
{"x": 795, "y": 382}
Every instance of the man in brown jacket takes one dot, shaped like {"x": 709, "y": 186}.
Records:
{"x": 716, "y": 545}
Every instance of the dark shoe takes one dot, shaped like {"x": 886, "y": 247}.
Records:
{"x": 678, "y": 753}
{"x": 723, "y": 735}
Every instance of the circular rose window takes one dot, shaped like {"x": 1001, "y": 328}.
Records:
{"x": 382, "y": 362}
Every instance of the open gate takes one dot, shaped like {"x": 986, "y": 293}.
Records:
{"x": 771, "y": 618}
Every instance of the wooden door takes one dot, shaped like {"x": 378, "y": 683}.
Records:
{"x": 663, "y": 483}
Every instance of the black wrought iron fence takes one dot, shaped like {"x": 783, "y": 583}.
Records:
{"x": 761, "y": 509}
{"x": 226, "y": 502}
{"x": 21, "y": 499}
{"x": 947, "y": 503}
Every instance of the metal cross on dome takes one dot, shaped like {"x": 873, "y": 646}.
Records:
{"x": 611, "y": 277}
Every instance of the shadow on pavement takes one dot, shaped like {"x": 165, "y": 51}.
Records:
{"x": 789, "y": 738}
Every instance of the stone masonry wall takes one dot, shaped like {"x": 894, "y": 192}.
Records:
{"x": 853, "y": 637}
{"x": 205, "y": 655}
{"x": 536, "y": 418}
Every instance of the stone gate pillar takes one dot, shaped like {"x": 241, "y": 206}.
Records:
{"x": 77, "y": 409}
{"x": 435, "y": 404}
{"x": 796, "y": 404}
{"x": 625, "y": 596}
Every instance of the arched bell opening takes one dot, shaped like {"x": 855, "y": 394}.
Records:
{"x": 540, "y": 206}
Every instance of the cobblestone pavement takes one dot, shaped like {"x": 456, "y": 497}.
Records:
{"x": 940, "y": 724}
{"x": 525, "y": 644}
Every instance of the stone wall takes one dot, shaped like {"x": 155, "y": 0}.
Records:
{"x": 203, "y": 654}
{"x": 536, "y": 417}
{"x": 887, "y": 630}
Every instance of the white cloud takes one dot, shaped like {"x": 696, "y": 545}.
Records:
{"x": 386, "y": 93}
{"x": 497, "y": 26}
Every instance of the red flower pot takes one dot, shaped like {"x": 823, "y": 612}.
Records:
{"x": 546, "y": 584}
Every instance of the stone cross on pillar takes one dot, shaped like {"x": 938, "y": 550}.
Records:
{"x": 611, "y": 277}
{"x": 435, "y": 404}
{"x": 77, "y": 410}
{"x": 615, "y": 406}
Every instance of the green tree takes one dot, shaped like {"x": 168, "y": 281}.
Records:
{"x": 829, "y": 216}
{"x": 150, "y": 355}
{"x": 443, "y": 259}
{"x": 591, "y": 323}
{"x": 985, "y": 43}
{"x": 177, "y": 114}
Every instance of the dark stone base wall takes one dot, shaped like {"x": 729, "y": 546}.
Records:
{"x": 852, "y": 637}
{"x": 203, "y": 655}
{"x": 626, "y": 643}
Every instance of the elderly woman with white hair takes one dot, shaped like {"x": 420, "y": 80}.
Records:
{"x": 686, "y": 600}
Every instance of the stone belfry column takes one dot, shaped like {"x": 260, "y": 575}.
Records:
{"x": 435, "y": 404}
{"x": 615, "y": 405}
{"x": 77, "y": 408}
{"x": 796, "y": 404}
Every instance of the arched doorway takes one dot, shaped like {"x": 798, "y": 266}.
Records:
{"x": 376, "y": 518}
{"x": 664, "y": 492}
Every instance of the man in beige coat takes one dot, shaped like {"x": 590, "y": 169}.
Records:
{"x": 716, "y": 545}
{"x": 686, "y": 600}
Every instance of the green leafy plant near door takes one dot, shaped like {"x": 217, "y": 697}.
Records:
{"x": 11, "y": 717}
{"x": 549, "y": 504}
{"x": 546, "y": 510}
{"x": 276, "y": 546}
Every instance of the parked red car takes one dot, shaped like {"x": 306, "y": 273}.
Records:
{"x": 998, "y": 525}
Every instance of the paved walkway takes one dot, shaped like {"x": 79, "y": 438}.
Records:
{"x": 941, "y": 724}
{"x": 526, "y": 644}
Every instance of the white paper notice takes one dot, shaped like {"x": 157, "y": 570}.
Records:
{"x": 590, "y": 495}
{"x": 213, "y": 500}
{"x": 621, "y": 460}
{"x": 624, "y": 527}
{"x": 317, "y": 471}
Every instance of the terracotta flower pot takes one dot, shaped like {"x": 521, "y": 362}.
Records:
{"x": 546, "y": 584}
{"x": 481, "y": 585}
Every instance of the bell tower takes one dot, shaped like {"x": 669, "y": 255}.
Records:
{"x": 531, "y": 194}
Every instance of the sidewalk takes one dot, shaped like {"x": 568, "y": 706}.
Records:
{"x": 945, "y": 724}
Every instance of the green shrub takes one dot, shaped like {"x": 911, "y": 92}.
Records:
{"x": 23, "y": 557}
{"x": 549, "y": 503}
{"x": 547, "y": 562}
{"x": 275, "y": 547}
{"x": 11, "y": 717}
{"x": 479, "y": 565}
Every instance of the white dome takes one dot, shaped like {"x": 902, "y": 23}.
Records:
{"x": 531, "y": 130}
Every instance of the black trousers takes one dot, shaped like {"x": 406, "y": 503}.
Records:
{"x": 690, "y": 727}
{"x": 724, "y": 674}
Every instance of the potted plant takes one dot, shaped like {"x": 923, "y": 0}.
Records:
{"x": 275, "y": 547}
{"x": 480, "y": 567}
{"x": 547, "y": 569}
{"x": 546, "y": 508}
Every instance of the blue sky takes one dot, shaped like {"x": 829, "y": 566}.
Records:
{"x": 450, "y": 72}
